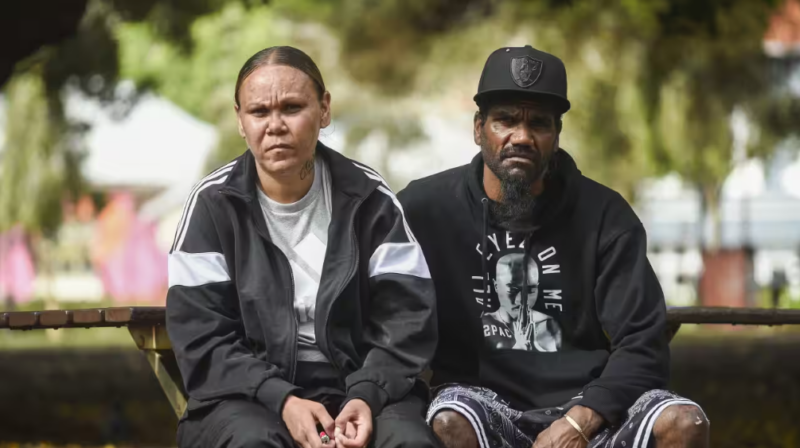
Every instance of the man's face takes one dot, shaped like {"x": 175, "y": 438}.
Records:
{"x": 509, "y": 283}
{"x": 518, "y": 139}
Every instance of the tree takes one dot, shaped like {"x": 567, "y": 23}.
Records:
{"x": 202, "y": 80}
{"x": 39, "y": 165}
{"x": 41, "y": 158}
{"x": 653, "y": 83}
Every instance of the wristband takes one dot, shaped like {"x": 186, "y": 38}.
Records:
{"x": 577, "y": 427}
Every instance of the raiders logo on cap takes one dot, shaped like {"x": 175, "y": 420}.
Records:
{"x": 525, "y": 71}
{"x": 520, "y": 72}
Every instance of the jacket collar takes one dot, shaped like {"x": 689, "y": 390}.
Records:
{"x": 348, "y": 177}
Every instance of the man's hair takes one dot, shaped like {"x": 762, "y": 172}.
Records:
{"x": 281, "y": 55}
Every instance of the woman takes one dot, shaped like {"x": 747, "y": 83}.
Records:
{"x": 297, "y": 291}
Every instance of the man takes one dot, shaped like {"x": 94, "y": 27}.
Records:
{"x": 510, "y": 326}
{"x": 592, "y": 373}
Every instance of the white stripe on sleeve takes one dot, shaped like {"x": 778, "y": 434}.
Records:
{"x": 188, "y": 221}
{"x": 225, "y": 169}
{"x": 384, "y": 188}
{"x": 399, "y": 258}
{"x": 396, "y": 202}
{"x": 187, "y": 269}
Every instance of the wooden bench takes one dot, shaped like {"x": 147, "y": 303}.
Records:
{"x": 147, "y": 327}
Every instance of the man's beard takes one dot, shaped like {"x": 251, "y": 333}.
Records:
{"x": 514, "y": 209}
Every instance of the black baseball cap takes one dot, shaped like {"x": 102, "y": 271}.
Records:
{"x": 524, "y": 71}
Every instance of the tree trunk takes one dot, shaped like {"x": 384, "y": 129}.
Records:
{"x": 711, "y": 214}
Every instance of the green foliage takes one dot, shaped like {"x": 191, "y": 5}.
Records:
{"x": 38, "y": 166}
{"x": 41, "y": 160}
{"x": 653, "y": 83}
{"x": 202, "y": 80}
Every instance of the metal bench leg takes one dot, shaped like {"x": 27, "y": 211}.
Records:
{"x": 154, "y": 342}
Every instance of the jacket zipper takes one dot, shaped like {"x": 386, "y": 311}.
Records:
{"x": 293, "y": 364}
{"x": 293, "y": 367}
{"x": 353, "y": 268}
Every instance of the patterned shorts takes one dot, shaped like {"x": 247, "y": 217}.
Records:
{"x": 499, "y": 426}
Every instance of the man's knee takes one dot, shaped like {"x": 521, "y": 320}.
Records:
{"x": 686, "y": 424}
{"x": 454, "y": 430}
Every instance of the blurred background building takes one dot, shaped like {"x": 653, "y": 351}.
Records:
{"x": 97, "y": 157}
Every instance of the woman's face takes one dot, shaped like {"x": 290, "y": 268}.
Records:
{"x": 280, "y": 116}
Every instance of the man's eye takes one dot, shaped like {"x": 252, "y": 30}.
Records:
{"x": 292, "y": 108}
{"x": 541, "y": 123}
{"x": 260, "y": 112}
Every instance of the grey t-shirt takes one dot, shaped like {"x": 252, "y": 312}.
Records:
{"x": 300, "y": 230}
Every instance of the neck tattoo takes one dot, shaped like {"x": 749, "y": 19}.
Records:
{"x": 307, "y": 169}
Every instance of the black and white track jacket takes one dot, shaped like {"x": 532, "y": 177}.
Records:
{"x": 230, "y": 314}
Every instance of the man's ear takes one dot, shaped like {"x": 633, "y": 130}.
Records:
{"x": 477, "y": 127}
{"x": 559, "y": 124}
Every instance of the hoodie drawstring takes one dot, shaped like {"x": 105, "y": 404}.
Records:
{"x": 487, "y": 301}
{"x": 524, "y": 315}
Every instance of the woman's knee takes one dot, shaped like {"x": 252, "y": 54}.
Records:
{"x": 234, "y": 424}
{"x": 454, "y": 430}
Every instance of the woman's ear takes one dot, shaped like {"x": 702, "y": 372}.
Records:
{"x": 325, "y": 104}
{"x": 239, "y": 121}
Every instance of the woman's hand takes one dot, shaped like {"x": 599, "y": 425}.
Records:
{"x": 354, "y": 425}
{"x": 301, "y": 418}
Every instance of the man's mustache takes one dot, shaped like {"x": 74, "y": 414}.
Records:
{"x": 524, "y": 151}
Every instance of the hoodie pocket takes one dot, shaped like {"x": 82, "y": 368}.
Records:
{"x": 534, "y": 380}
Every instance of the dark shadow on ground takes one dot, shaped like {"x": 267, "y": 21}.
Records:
{"x": 749, "y": 387}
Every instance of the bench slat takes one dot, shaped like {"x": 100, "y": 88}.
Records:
{"x": 23, "y": 320}
{"x": 733, "y": 316}
{"x": 156, "y": 316}
{"x": 149, "y": 315}
{"x": 55, "y": 318}
{"x": 120, "y": 316}
{"x": 88, "y": 318}
{"x": 137, "y": 315}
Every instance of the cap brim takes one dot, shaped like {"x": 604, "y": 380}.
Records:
{"x": 562, "y": 103}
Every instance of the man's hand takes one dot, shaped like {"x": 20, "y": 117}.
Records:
{"x": 563, "y": 435}
{"x": 301, "y": 417}
{"x": 522, "y": 336}
{"x": 354, "y": 425}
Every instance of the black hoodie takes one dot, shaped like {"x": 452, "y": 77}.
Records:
{"x": 596, "y": 321}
